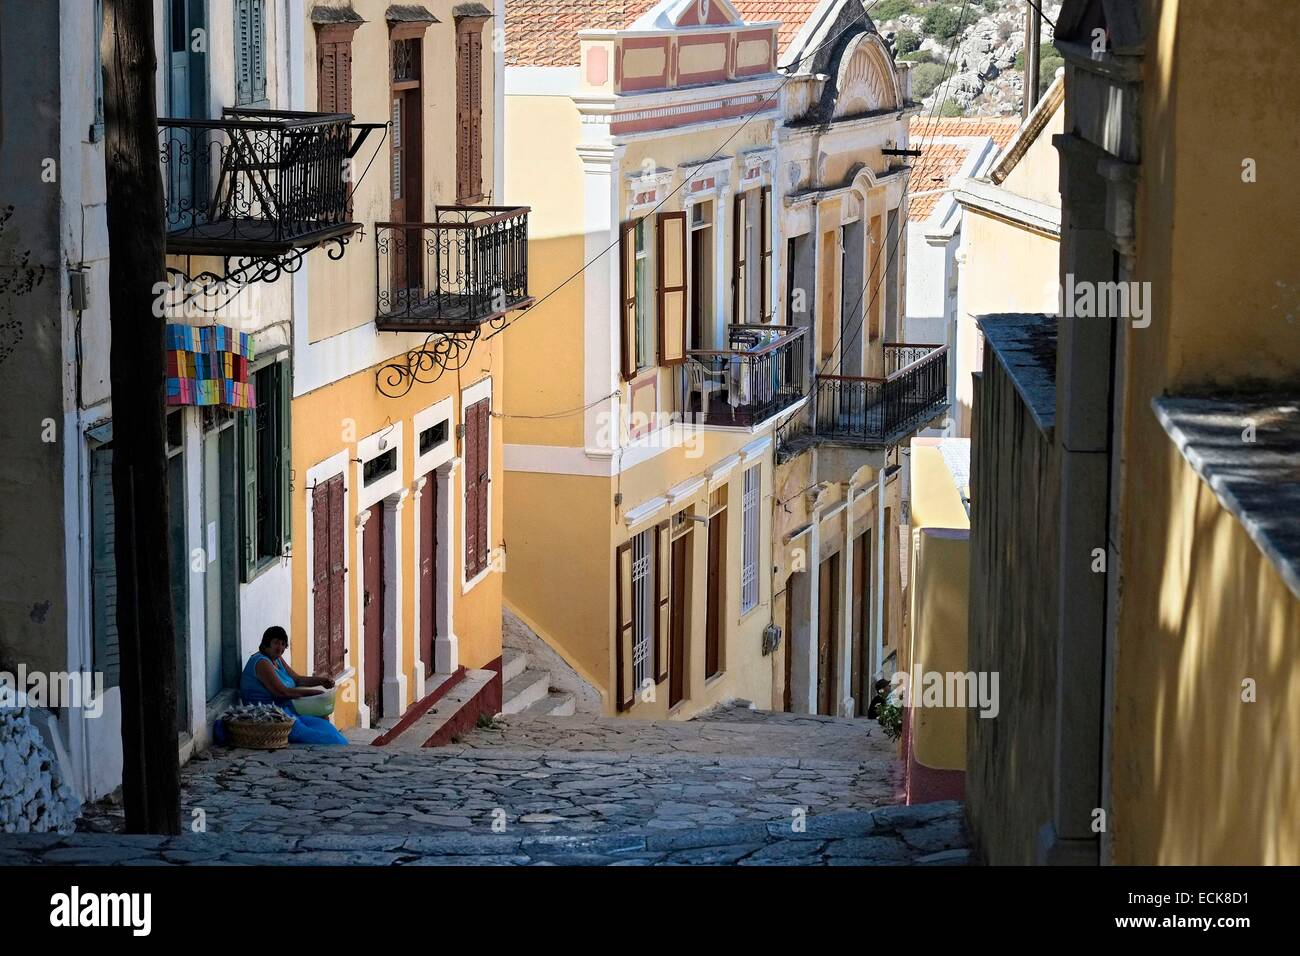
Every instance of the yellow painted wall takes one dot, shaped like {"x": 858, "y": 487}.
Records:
{"x": 939, "y": 592}
{"x": 546, "y": 356}
{"x": 353, "y": 407}
{"x": 1198, "y": 776}
{"x": 1037, "y": 175}
{"x": 1007, "y": 269}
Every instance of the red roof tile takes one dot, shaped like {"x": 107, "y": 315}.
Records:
{"x": 793, "y": 14}
{"x": 545, "y": 32}
{"x": 941, "y": 158}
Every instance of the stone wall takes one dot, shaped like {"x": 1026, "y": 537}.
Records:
{"x": 1013, "y": 606}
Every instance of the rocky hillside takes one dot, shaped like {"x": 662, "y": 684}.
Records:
{"x": 968, "y": 56}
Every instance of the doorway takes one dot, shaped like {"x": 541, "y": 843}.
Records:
{"x": 827, "y": 633}
{"x": 715, "y": 588}
{"x": 221, "y": 574}
{"x": 372, "y": 569}
{"x": 701, "y": 284}
{"x": 862, "y": 688}
{"x": 187, "y": 88}
{"x": 678, "y": 619}
{"x": 428, "y": 572}
{"x": 407, "y": 172}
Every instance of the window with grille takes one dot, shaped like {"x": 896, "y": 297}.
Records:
{"x": 643, "y": 606}
{"x": 749, "y": 543}
{"x": 265, "y": 455}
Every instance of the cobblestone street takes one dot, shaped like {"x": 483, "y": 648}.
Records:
{"x": 737, "y": 787}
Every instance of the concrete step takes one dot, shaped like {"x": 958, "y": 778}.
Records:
{"x": 554, "y": 704}
{"x": 527, "y": 688}
{"x": 513, "y": 663}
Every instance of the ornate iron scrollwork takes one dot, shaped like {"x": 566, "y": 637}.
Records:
{"x": 440, "y": 352}
{"x": 239, "y": 272}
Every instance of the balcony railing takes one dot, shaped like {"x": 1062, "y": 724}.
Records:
{"x": 257, "y": 182}
{"x": 763, "y": 372}
{"x": 881, "y": 411}
{"x": 452, "y": 275}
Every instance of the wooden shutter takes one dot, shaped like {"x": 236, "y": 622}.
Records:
{"x": 477, "y": 488}
{"x": 327, "y": 77}
{"x": 337, "y": 576}
{"x": 672, "y": 287}
{"x": 284, "y": 463}
{"x": 334, "y": 67}
{"x": 625, "y": 631}
{"x": 765, "y": 230}
{"x": 320, "y": 576}
{"x": 250, "y": 51}
{"x": 663, "y": 571}
{"x": 739, "y": 265}
{"x": 469, "y": 110}
{"x": 103, "y": 565}
{"x": 627, "y": 283}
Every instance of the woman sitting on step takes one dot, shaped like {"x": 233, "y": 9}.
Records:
{"x": 267, "y": 679}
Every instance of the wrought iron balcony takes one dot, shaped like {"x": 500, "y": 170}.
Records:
{"x": 883, "y": 411}
{"x": 468, "y": 268}
{"x": 258, "y": 185}
{"x": 762, "y": 373}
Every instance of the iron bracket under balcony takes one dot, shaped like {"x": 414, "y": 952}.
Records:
{"x": 257, "y": 189}
{"x": 448, "y": 279}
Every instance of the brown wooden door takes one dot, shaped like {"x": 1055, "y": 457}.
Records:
{"x": 328, "y": 575}
{"x": 677, "y": 647}
{"x": 372, "y": 567}
{"x": 860, "y": 680}
{"x": 827, "y": 631}
{"x": 478, "y": 487}
{"x": 714, "y": 628}
{"x": 428, "y": 571}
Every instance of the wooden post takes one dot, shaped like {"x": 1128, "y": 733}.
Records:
{"x": 1033, "y": 37}
{"x": 146, "y": 632}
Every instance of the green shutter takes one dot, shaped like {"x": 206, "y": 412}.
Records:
{"x": 250, "y": 52}
{"x": 284, "y": 386}
{"x": 103, "y": 566}
{"x": 248, "y": 465}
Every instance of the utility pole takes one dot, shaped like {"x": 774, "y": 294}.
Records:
{"x": 146, "y": 631}
{"x": 1033, "y": 37}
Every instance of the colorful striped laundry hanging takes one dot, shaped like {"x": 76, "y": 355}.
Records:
{"x": 209, "y": 365}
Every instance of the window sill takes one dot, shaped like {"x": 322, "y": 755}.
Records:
{"x": 263, "y": 565}
{"x": 473, "y": 582}
{"x": 716, "y": 678}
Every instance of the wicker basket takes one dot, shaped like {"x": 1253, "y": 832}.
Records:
{"x": 258, "y": 734}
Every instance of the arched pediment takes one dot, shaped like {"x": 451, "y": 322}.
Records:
{"x": 866, "y": 82}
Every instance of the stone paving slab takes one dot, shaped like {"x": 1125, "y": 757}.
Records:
{"x": 754, "y": 789}
{"x": 861, "y": 838}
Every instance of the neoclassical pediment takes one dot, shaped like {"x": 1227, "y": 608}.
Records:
{"x": 866, "y": 82}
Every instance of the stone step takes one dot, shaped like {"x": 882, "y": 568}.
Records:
{"x": 513, "y": 663}
{"x": 527, "y": 688}
{"x": 554, "y": 704}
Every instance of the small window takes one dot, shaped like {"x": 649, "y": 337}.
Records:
{"x": 432, "y": 437}
{"x": 379, "y": 466}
